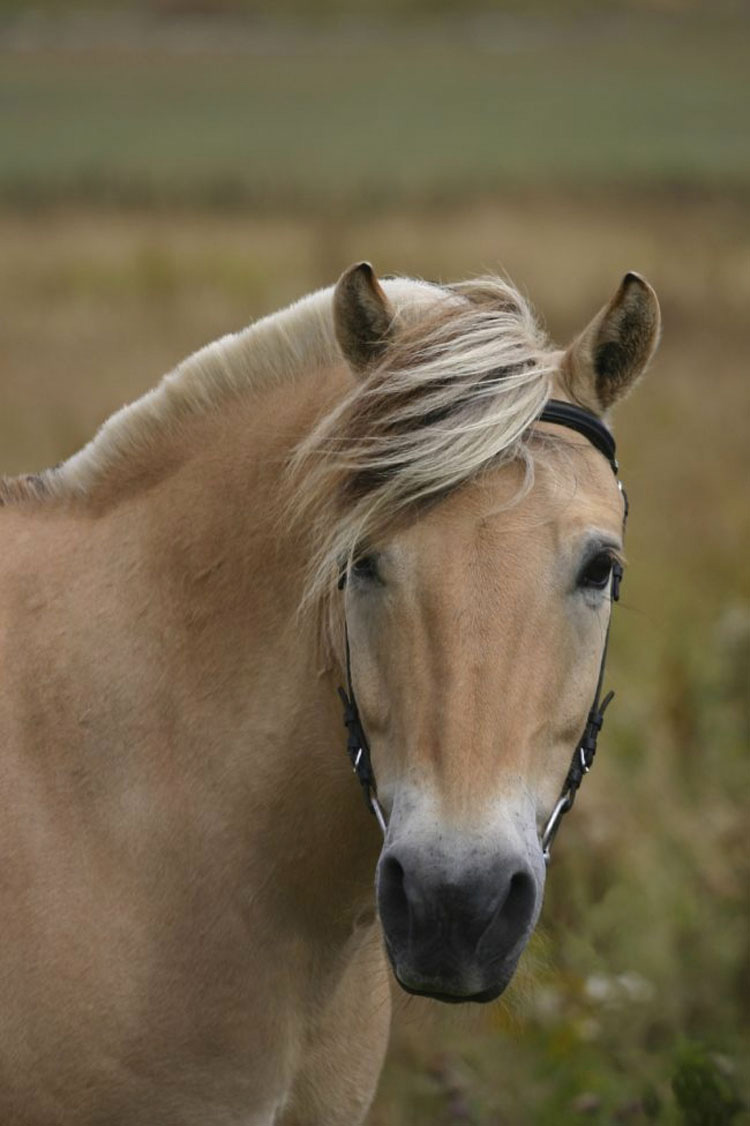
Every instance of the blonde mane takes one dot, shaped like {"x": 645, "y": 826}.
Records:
{"x": 454, "y": 393}
{"x": 466, "y": 374}
{"x": 277, "y": 349}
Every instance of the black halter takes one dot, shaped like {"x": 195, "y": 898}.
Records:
{"x": 587, "y": 424}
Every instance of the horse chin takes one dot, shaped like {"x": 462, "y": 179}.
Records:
{"x": 481, "y": 998}
{"x": 451, "y": 992}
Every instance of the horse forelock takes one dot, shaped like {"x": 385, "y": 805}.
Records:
{"x": 454, "y": 393}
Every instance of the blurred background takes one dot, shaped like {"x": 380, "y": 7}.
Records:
{"x": 171, "y": 169}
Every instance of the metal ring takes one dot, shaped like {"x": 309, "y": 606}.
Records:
{"x": 564, "y": 802}
{"x": 377, "y": 810}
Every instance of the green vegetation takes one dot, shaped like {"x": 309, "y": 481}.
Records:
{"x": 325, "y": 10}
{"x": 564, "y": 152}
{"x": 289, "y": 121}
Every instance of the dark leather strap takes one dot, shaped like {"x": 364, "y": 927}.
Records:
{"x": 586, "y": 423}
{"x": 357, "y": 746}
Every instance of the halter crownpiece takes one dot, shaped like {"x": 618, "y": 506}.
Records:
{"x": 584, "y": 422}
{"x": 593, "y": 429}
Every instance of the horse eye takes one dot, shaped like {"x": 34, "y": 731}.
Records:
{"x": 365, "y": 568}
{"x": 595, "y": 575}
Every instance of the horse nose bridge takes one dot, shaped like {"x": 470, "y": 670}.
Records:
{"x": 472, "y": 742}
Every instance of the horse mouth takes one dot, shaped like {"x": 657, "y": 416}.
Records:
{"x": 481, "y": 998}
{"x": 432, "y": 987}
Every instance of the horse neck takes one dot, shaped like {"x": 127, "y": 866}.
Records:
{"x": 178, "y": 605}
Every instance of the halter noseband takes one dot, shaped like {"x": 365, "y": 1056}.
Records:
{"x": 595, "y": 432}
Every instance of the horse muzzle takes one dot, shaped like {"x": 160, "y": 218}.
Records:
{"x": 455, "y": 935}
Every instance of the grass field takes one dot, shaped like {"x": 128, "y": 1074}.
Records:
{"x": 153, "y": 201}
{"x": 366, "y": 119}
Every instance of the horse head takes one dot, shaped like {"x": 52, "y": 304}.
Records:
{"x": 476, "y": 614}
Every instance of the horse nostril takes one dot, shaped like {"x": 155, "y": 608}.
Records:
{"x": 513, "y": 917}
{"x": 520, "y": 899}
{"x": 393, "y": 902}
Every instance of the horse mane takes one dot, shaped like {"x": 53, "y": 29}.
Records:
{"x": 276, "y": 349}
{"x": 453, "y": 394}
{"x": 466, "y": 373}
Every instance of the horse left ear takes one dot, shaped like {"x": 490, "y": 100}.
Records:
{"x": 362, "y": 316}
{"x": 603, "y": 363}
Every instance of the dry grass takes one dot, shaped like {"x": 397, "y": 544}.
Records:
{"x": 652, "y": 874}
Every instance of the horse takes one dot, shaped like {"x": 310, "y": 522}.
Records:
{"x": 201, "y": 919}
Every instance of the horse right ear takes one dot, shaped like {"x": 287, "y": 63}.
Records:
{"x": 362, "y": 316}
{"x": 604, "y": 362}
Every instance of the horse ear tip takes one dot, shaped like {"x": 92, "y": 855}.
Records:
{"x": 363, "y": 269}
{"x": 635, "y": 282}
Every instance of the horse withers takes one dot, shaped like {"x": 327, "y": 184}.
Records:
{"x": 199, "y": 912}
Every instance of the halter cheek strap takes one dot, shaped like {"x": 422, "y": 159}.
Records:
{"x": 588, "y": 425}
{"x": 583, "y": 758}
{"x": 357, "y": 746}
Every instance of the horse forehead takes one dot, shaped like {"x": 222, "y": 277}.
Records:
{"x": 492, "y": 521}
